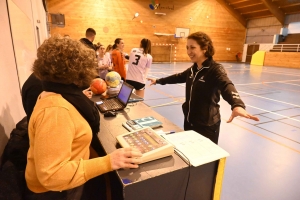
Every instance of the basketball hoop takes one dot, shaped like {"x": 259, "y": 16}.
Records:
{"x": 182, "y": 32}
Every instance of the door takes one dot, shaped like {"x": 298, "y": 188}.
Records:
{"x": 252, "y": 48}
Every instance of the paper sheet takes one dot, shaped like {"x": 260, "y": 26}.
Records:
{"x": 196, "y": 148}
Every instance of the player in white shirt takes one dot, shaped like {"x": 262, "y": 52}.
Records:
{"x": 139, "y": 64}
{"x": 104, "y": 64}
{"x": 108, "y": 52}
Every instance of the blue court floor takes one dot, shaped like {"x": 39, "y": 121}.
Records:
{"x": 264, "y": 162}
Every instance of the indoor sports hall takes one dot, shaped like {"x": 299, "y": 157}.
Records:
{"x": 256, "y": 41}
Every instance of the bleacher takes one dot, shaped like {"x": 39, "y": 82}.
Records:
{"x": 289, "y": 43}
{"x": 286, "y": 48}
{"x": 291, "y": 39}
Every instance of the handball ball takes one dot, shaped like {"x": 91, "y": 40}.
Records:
{"x": 98, "y": 86}
{"x": 113, "y": 79}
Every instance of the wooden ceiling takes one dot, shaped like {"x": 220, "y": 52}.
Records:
{"x": 244, "y": 10}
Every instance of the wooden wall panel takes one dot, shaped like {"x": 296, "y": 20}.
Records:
{"x": 282, "y": 59}
{"x": 116, "y": 15}
{"x": 162, "y": 53}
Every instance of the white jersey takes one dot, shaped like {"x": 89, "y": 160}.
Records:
{"x": 137, "y": 65}
{"x": 103, "y": 61}
{"x": 108, "y": 55}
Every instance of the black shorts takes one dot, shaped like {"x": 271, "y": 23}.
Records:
{"x": 136, "y": 85}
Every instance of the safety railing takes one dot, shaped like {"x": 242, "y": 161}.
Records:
{"x": 286, "y": 48}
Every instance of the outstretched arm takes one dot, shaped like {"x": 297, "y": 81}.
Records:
{"x": 173, "y": 79}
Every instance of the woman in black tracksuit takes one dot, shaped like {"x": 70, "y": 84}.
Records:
{"x": 205, "y": 81}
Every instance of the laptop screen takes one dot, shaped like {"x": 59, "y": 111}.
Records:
{"x": 125, "y": 93}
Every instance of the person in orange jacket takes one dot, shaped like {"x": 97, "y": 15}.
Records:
{"x": 118, "y": 58}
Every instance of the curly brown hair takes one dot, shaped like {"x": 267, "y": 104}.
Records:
{"x": 66, "y": 61}
{"x": 204, "y": 41}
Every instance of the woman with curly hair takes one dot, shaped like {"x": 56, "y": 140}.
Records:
{"x": 62, "y": 124}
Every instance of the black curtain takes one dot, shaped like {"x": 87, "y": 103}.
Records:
{"x": 45, "y": 5}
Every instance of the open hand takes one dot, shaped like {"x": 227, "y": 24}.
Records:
{"x": 239, "y": 111}
{"x": 153, "y": 81}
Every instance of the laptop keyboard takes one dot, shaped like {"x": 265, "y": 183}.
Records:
{"x": 111, "y": 104}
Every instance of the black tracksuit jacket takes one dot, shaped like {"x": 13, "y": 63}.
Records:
{"x": 203, "y": 90}
{"x": 87, "y": 43}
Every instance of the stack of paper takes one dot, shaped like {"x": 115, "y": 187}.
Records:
{"x": 196, "y": 149}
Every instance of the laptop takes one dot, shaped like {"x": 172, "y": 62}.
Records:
{"x": 118, "y": 102}
{"x": 135, "y": 98}
{"x": 132, "y": 99}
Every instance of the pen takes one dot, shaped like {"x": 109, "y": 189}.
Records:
{"x": 169, "y": 132}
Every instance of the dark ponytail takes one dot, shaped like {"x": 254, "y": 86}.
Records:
{"x": 117, "y": 41}
{"x": 146, "y": 45}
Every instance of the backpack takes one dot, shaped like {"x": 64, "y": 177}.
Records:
{"x": 14, "y": 160}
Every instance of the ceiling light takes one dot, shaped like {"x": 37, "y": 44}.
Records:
{"x": 158, "y": 13}
{"x": 135, "y": 15}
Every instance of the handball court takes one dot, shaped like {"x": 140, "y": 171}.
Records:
{"x": 264, "y": 156}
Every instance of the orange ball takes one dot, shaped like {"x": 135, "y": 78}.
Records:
{"x": 98, "y": 86}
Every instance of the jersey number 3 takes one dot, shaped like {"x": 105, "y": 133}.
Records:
{"x": 137, "y": 59}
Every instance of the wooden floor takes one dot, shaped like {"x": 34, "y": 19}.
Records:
{"x": 264, "y": 155}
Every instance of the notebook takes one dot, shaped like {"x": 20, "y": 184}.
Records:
{"x": 118, "y": 102}
{"x": 195, "y": 148}
{"x": 135, "y": 124}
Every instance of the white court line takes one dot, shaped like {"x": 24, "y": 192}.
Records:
{"x": 269, "y": 72}
{"x": 160, "y": 105}
{"x": 182, "y": 85}
{"x": 175, "y": 71}
{"x": 230, "y": 70}
{"x": 286, "y": 117}
{"x": 270, "y": 99}
{"x": 165, "y": 104}
{"x": 230, "y": 66}
{"x": 271, "y": 82}
{"x": 263, "y": 98}
{"x": 274, "y": 69}
{"x": 255, "y": 83}
{"x": 154, "y": 76}
{"x": 281, "y": 73}
{"x": 292, "y": 84}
